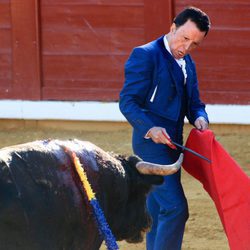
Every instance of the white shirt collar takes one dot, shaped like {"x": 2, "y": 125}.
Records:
{"x": 165, "y": 40}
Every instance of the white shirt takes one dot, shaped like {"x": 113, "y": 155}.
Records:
{"x": 181, "y": 62}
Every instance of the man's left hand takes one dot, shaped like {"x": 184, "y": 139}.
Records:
{"x": 201, "y": 123}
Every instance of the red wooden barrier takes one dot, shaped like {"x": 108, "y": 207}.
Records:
{"x": 76, "y": 49}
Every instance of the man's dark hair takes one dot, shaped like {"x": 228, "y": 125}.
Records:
{"x": 195, "y": 15}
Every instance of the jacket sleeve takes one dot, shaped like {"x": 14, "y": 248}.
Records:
{"x": 196, "y": 106}
{"x": 138, "y": 80}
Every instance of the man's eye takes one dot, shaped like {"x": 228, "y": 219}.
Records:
{"x": 186, "y": 39}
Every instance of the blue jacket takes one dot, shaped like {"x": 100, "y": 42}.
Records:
{"x": 151, "y": 85}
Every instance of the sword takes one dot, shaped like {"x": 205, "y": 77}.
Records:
{"x": 191, "y": 151}
{"x": 185, "y": 148}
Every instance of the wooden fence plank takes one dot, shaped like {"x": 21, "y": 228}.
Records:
{"x": 222, "y": 85}
{"x": 225, "y": 97}
{"x": 104, "y": 41}
{"x": 73, "y": 17}
{"x": 26, "y": 49}
{"x": 5, "y": 14}
{"x": 105, "y": 67}
{"x": 83, "y": 94}
{"x": 158, "y": 18}
{"x": 5, "y": 66}
{"x": 5, "y": 35}
{"x": 5, "y": 49}
{"x": 93, "y": 2}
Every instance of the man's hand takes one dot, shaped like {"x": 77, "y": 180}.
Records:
{"x": 201, "y": 123}
{"x": 160, "y": 135}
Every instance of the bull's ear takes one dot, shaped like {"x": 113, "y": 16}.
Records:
{"x": 153, "y": 179}
{"x": 133, "y": 160}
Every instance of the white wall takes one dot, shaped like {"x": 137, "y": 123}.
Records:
{"x": 103, "y": 111}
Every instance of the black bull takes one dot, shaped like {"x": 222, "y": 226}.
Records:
{"x": 43, "y": 204}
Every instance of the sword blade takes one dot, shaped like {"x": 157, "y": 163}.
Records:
{"x": 191, "y": 151}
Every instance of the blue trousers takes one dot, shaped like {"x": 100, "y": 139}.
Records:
{"x": 166, "y": 203}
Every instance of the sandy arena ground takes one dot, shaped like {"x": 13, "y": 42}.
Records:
{"x": 204, "y": 230}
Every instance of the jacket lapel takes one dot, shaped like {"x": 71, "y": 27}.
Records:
{"x": 189, "y": 78}
{"x": 170, "y": 63}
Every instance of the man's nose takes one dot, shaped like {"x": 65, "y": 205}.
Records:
{"x": 187, "y": 46}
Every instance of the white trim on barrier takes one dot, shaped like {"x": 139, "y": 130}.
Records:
{"x": 103, "y": 111}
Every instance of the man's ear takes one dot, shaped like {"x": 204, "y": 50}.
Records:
{"x": 173, "y": 28}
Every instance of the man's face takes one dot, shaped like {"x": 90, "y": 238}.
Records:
{"x": 184, "y": 39}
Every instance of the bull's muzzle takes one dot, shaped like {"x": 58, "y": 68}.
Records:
{"x": 157, "y": 169}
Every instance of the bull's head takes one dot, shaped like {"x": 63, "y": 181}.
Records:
{"x": 134, "y": 219}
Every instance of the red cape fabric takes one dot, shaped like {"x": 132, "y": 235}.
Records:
{"x": 225, "y": 182}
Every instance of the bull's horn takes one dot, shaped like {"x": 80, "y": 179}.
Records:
{"x": 156, "y": 169}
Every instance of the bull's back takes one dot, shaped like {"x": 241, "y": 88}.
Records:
{"x": 41, "y": 207}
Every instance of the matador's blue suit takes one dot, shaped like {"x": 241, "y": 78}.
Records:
{"x": 154, "y": 94}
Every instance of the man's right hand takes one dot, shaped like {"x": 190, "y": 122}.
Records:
{"x": 160, "y": 135}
